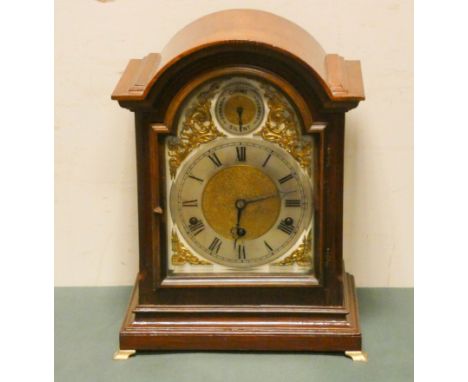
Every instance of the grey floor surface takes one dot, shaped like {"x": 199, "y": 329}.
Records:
{"x": 87, "y": 322}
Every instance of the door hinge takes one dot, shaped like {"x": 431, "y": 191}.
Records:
{"x": 327, "y": 256}
{"x": 328, "y": 157}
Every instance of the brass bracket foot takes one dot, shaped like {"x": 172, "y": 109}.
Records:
{"x": 357, "y": 356}
{"x": 122, "y": 355}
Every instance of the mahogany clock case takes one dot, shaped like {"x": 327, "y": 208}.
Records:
{"x": 214, "y": 313}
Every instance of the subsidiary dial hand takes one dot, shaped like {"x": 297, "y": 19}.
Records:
{"x": 240, "y": 110}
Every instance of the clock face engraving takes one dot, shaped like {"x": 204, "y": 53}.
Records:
{"x": 239, "y": 108}
{"x": 241, "y": 202}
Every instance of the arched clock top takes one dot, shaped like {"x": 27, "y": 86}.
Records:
{"x": 247, "y": 32}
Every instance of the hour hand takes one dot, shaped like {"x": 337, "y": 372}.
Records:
{"x": 237, "y": 231}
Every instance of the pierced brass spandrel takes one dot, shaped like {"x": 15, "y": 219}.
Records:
{"x": 198, "y": 128}
{"x": 302, "y": 256}
{"x": 282, "y": 128}
{"x": 182, "y": 255}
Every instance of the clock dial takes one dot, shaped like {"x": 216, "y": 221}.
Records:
{"x": 239, "y": 108}
{"x": 241, "y": 202}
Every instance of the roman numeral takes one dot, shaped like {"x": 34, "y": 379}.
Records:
{"x": 284, "y": 179}
{"x": 196, "y": 178}
{"x": 241, "y": 153}
{"x": 286, "y": 228}
{"x": 266, "y": 160}
{"x": 215, "y": 245}
{"x": 241, "y": 252}
{"x": 292, "y": 203}
{"x": 190, "y": 203}
{"x": 268, "y": 246}
{"x": 197, "y": 227}
{"x": 214, "y": 158}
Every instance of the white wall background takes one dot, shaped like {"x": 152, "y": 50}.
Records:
{"x": 95, "y": 173}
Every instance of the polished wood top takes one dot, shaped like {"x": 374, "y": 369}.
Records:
{"x": 341, "y": 79}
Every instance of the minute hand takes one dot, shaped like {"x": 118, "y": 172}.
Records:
{"x": 264, "y": 197}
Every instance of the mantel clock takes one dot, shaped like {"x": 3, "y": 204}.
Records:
{"x": 239, "y": 134}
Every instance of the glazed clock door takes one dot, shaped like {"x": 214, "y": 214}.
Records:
{"x": 240, "y": 190}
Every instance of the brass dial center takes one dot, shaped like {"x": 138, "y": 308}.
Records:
{"x": 246, "y": 188}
